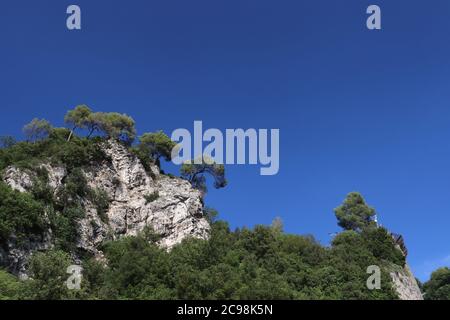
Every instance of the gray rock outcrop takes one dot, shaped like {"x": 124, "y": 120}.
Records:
{"x": 175, "y": 212}
{"x": 405, "y": 283}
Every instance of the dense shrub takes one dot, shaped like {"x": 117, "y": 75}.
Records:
{"x": 10, "y": 287}
{"x": 381, "y": 245}
{"x": 101, "y": 201}
{"x": 438, "y": 287}
{"x": 77, "y": 153}
{"x": 48, "y": 277}
{"x": 64, "y": 226}
{"x": 245, "y": 264}
{"x": 20, "y": 214}
{"x": 263, "y": 263}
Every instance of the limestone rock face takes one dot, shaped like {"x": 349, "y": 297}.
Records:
{"x": 405, "y": 284}
{"x": 175, "y": 213}
{"x": 18, "y": 179}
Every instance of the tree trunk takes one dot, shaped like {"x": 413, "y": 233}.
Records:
{"x": 91, "y": 132}
{"x": 70, "y": 135}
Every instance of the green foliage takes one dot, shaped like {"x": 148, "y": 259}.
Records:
{"x": 438, "y": 287}
{"x": 78, "y": 118}
{"x": 20, "y": 214}
{"x": 64, "y": 225}
{"x": 78, "y": 153}
{"x": 10, "y": 287}
{"x": 74, "y": 190}
{"x": 93, "y": 279}
{"x": 151, "y": 197}
{"x": 37, "y": 129}
{"x": 136, "y": 267}
{"x": 195, "y": 173}
{"x": 157, "y": 145}
{"x": 354, "y": 213}
{"x": 380, "y": 243}
{"x": 263, "y": 263}
{"x": 48, "y": 271}
{"x": 112, "y": 124}
{"x": 101, "y": 200}
{"x": 68, "y": 209}
{"x": 116, "y": 126}
{"x": 56, "y": 150}
{"x": 349, "y": 247}
{"x": 41, "y": 190}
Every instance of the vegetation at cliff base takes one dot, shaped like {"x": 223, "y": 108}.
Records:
{"x": 259, "y": 263}
{"x": 263, "y": 263}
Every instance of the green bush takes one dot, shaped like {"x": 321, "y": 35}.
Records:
{"x": 262, "y": 263}
{"x": 48, "y": 277}
{"x": 79, "y": 152}
{"x": 10, "y": 287}
{"x": 382, "y": 246}
{"x": 438, "y": 287}
{"x": 259, "y": 263}
{"x": 101, "y": 201}
{"x": 65, "y": 227}
{"x": 20, "y": 214}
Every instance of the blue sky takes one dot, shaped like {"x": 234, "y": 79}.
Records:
{"x": 357, "y": 110}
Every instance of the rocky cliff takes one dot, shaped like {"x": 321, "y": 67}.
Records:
{"x": 174, "y": 212}
{"x": 405, "y": 283}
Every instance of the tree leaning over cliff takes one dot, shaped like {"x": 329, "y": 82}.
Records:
{"x": 195, "y": 173}
{"x": 157, "y": 145}
{"x": 78, "y": 118}
{"x": 116, "y": 126}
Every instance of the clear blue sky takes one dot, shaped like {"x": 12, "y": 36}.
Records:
{"x": 358, "y": 110}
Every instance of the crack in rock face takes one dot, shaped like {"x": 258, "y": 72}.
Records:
{"x": 176, "y": 214}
